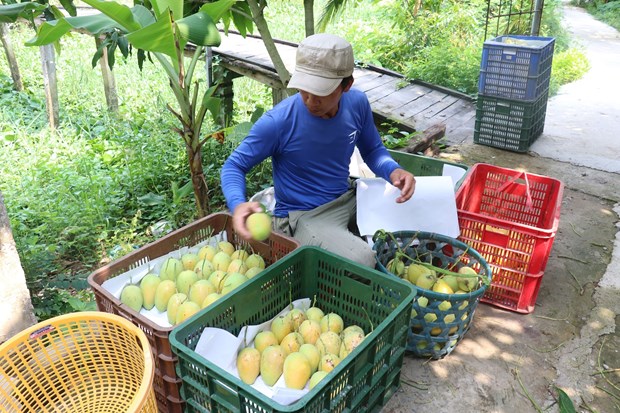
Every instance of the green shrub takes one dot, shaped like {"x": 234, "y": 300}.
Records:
{"x": 568, "y": 65}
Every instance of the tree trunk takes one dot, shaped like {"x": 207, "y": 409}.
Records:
{"x": 309, "y": 17}
{"x": 261, "y": 24}
{"x": 48, "y": 64}
{"x": 15, "y": 305}
{"x": 10, "y": 56}
{"x": 201, "y": 190}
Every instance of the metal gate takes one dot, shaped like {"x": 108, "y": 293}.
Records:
{"x": 513, "y": 17}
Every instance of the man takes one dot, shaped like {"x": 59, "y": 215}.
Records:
{"x": 310, "y": 138}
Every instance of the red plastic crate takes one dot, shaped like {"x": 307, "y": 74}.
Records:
{"x": 511, "y": 218}
{"x": 166, "y": 382}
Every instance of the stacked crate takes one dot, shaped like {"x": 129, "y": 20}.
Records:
{"x": 512, "y": 91}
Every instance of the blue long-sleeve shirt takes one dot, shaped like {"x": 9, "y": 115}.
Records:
{"x": 310, "y": 155}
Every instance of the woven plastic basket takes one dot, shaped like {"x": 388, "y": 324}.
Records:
{"x": 88, "y": 362}
{"x": 438, "y": 320}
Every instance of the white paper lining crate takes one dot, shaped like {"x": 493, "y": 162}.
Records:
{"x": 516, "y": 67}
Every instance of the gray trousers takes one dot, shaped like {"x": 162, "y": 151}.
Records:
{"x": 329, "y": 226}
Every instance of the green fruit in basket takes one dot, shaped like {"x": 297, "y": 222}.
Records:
{"x": 210, "y": 299}
{"x": 163, "y": 292}
{"x": 216, "y": 278}
{"x": 237, "y": 265}
{"x": 353, "y": 329}
{"x": 240, "y": 254}
{"x": 185, "y": 280}
{"x": 297, "y": 316}
{"x": 189, "y": 260}
{"x": 328, "y": 343}
{"x": 312, "y": 354}
{"x": 310, "y": 330}
{"x": 470, "y": 282}
{"x": 349, "y": 342}
{"x": 204, "y": 268}
{"x": 264, "y": 339}
{"x": 253, "y": 272}
{"x": 281, "y": 326}
{"x": 316, "y": 378}
{"x": 452, "y": 281}
{"x": 296, "y": 371}
{"x": 131, "y": 296}
{"x": 255, "y": 260}
{"x": 200, "y": 290}
{"x": 221, "y": 261}
{"x": 426, "y": 281}
{"x": 173, "y": 306}
{"x": 259, "y": 225}
{"x": 186, "y": 310}
{"x": 272, "y": 364}
{"x": 248, "y": 364}
{"x": 415, "y": 270}
{"x": 148, "y": 287}
{"x": 232, "y": 281}
{"x": 396, "y": 267}
{"x": 170, "y": 269}
{"x": 442, "y": 287}
{"x": 292, "y": 342}
{"x": 315, "y": 313}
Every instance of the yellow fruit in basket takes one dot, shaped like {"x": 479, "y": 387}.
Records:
{"x": 189, "y": 260}
{"x": 442, "y": 287}
{"x": 310, "y": 330}
{"x": 452, "y": 281}
{"x": 221, "y": 261}
{"x": 353, "y": 329}
{"x": 350, "y": 341}
{"x": 264, "y": 339}
{"x": 255, "y": 260}
{"x": 292, "y": 342}
{"x": 226, "y": 247}
{"x": 186, "y": 310}
{"x": 272, "y": 364}
{"x": 332, "y": 322}
{"x": 163, "y": 292}
{"x": 259, "y": 225}
{"x": 329, "y": 362}
{"x": 313, "y": 355}
{"x": 469, "y": 283}
{"x": 200, "y": 290}
{"x": 237, "y": 265}
{"x": 210, "y": 299}
{"x": 253, "y": 272}
{"x": 296, "y": 371}
{"x": 316, "y": 378}
{"x": 148, "y": 287}
{"x": 216, "y": 278}
{"x": 315, "y": 313}
{"x": 184, "y": 281}
{"x": 207, "y": 252}
{"x": 281, "y": 326}
{"x": 297, "y": 316}
{"x": 131, "y": 296}
{"x": 248, "y": 364}
{"x": 173, "y": 306}
{"x": 426, "y": 281}
{"x": 328, "y": 343}
{"x": 240, "y": 254}
{"x": 204, "y": 268}
{"x": 170, "y": 268}
{"x": 415, "y": 270}
{"x": 232, "y": 281}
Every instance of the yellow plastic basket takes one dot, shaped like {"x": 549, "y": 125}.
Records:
{"x": 87, "y": 362}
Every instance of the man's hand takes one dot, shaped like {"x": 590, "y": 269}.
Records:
{"x": 404, "y": 181}
{"x": 241, "y": 214}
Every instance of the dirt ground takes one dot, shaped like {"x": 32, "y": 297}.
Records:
{"x": 511, "y": 362}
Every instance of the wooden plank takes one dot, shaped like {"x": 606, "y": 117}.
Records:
{"x": 370, "y": 82}
{"x": 402, "y": 98}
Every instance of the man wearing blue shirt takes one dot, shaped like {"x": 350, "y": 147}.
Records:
{"x": 310, "y": 138}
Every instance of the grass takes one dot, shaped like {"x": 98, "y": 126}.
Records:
{"x": 103, "y": 184}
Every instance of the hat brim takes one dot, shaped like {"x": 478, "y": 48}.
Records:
{"x": 317, "y": 85}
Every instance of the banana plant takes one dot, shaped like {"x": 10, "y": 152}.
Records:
{"x": 162, "y": 32}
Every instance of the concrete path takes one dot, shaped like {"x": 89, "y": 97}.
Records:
{"x": 582, "y": 126}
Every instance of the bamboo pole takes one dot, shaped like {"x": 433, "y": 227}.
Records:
{"x": 48, "y": 64}
{"x": 10, "y": 56}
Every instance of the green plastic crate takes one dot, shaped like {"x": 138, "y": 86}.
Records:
{"x": 509, "y": 124}
{"x": 420, "y": 165}
{"x": 363, "y": 382}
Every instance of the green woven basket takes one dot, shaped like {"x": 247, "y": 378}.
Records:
{"x": 438, "y": 320}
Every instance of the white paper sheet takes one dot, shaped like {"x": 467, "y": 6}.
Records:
{"x": 432, "y": 207}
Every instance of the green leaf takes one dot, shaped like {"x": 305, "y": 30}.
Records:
{"x": 199, "y": 29}
{"x": 121, "y": 14}
{"x": 69, "y": 6}
{"x": 218, "y": 9}
{"x": 565, "y": 402}
{"x": 158, "y": 37}
{"x": 50, "y": 32}
{"x": 9, "y": 13}
{"x": 175, "y": 6}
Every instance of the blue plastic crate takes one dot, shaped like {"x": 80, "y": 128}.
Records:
{"x": 516, "y": 67}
